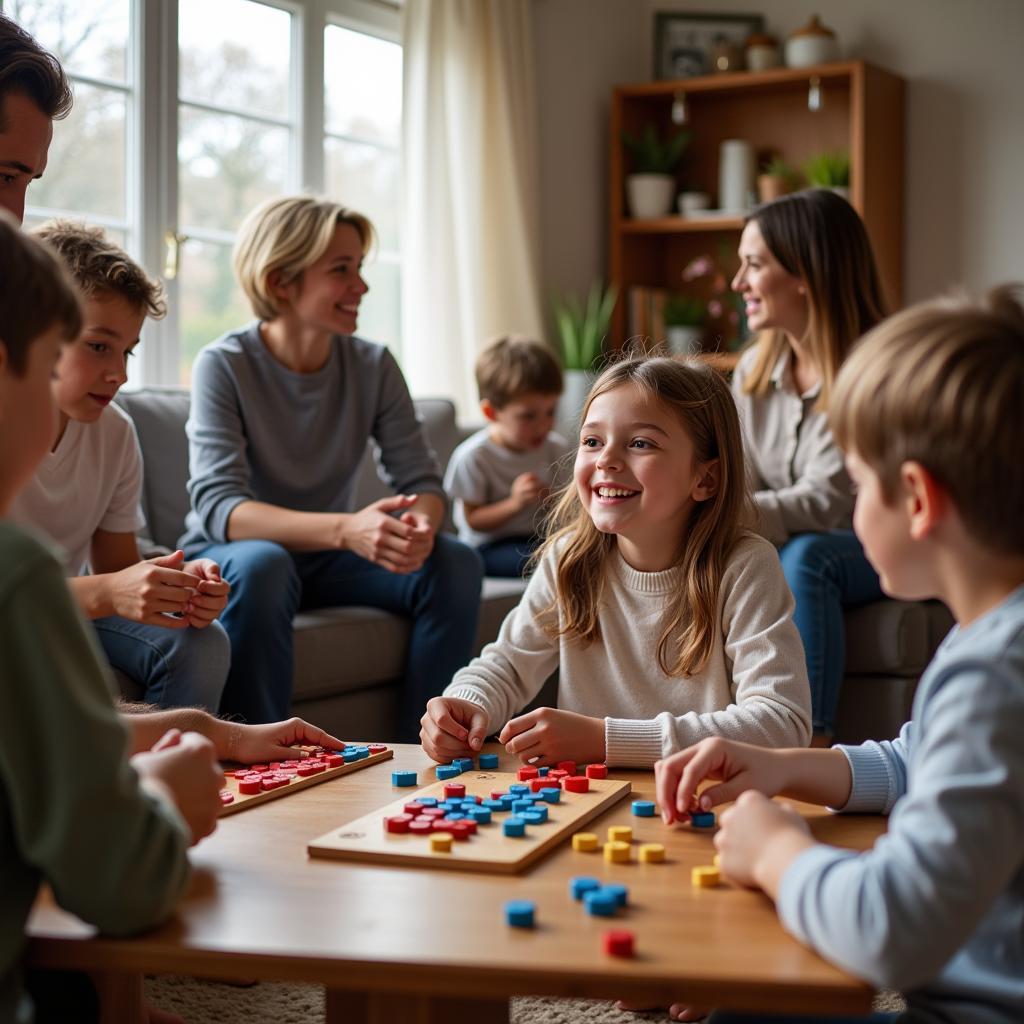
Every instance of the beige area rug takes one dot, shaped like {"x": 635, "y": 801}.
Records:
{"x": 210, "y": 1002}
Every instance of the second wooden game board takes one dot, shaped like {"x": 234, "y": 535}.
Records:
{"x": 488, "y": 849}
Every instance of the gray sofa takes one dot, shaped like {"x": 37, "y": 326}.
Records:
{"x": 348, "y": 661}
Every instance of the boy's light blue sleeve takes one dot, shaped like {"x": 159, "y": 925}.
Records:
{"x": 896, "y": 914}
{"x": 879, "y": 773}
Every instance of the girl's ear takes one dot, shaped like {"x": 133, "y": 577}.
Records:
{"x": 276, "y": 286}
{"x": 709, "y": 475}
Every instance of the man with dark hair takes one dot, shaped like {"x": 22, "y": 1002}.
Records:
{"x": 34, "y": 91}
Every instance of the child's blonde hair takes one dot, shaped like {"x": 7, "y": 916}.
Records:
{"x": 513, "y": 365}
{"x": 942, "y": 384}
{"x": 287, "y": 235}
{"x": 699, "y": 396}
{"x": 101, "y": 267}
{"x": 818, "y": 237}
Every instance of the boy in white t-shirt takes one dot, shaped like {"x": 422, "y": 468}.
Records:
{"x": 155, "y": 619}
{"x": 500, "y": 475}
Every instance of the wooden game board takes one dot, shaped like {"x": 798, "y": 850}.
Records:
{"x": 365, "y": 839}
{"x": 242, "y": 801}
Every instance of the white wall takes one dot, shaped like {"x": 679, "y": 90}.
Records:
{"x": 964, "y": 69}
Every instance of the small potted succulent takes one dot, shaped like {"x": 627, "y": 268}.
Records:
{"x": 776, "y": 179}
{"x": 651, "y": 186}
{"x": 829, "y": 170}
{"x": 684, "y": 317}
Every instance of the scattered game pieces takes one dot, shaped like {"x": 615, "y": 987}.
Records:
{"x": 617, "y": 852}
{"x": 514, "y": 827}
{"x": 249, "y": 785}
{"x": 581, "y": 885}
{"x": 651, "y": 853}
{"x": 704, "y": 877}
{"x": 454, "y": 789}
{"x": 441, "y": 842}
{"x": 519, "y": 913}
{"x": 597, "y": 771}
{"x": 488, "y": 761}
{"x": 569, "y": 767}
{"x": 402, "y": 778}
{"x": 703, "y": 819}
{"x": 618, "y": 892}
{"x": 584, "y": 842}
{"x": 464, "y": 764}
{"x": 620, "y": 834}
{"x": 543, "y": 770}
{"x": 575, "y": 783}
{"x": 550, "y": 794}
{"x": 447, "y": 771}
{"x": 600, "y": 903}
{"x": 527, "y": 772}
{"x": 618, "y": 943}
{"x": 398, "y": 823}
{"x": 643, "y": 808}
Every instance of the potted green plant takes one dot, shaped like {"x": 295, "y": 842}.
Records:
{"x": 829, "y": 170}
{"x": 684, "y": 317}
{"x": 651, "y": 185}
{"x": 581, "y": 328}
{"x": 777, "y": 178}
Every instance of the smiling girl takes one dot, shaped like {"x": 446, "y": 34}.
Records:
{"x": 665, "y": 619}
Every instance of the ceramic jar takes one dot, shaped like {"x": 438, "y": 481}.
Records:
{"x": 762, "y": 53}
{"x": 735, "y": 174}
{"x": 812, "y": 44}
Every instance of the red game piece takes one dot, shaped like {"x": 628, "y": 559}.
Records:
{"x": 618, "y": 942}
{"x": 249, "y": 786}
{"x": 597, "y": 771}
{"x": 469, "y": 823}
{"x": 569, "y": 767}
{"x": 546, "y": 783}
{"x": 333, "y": 760}
{"x": 241, "y": 773}
{"x": 258, "y": 767}
{"x": 460, "y": 830}
{"x": 577, "y": 784}
{"x": 431, "y": 812}
{"x": 558, "y": 773}
{"x": 497, "y": 794}
{"x": 376, "y": 748}
{"x": 398, "y": 823}
{"x": 412, "y": 808}
{"x": 227, "y": 797}
{"x": 421, "y": 827}
{"x": 305, "y": 770}
{"x": 454, "y": 789}
{"x": 527, "y": 772}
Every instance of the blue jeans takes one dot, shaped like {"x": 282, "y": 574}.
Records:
{"x": 727, "y": 1017}
{"x": 509, "y": 556}
{"x": 177, "y": 668}
{"x": 269, "y": 585}
{"x": 827, "y": 572}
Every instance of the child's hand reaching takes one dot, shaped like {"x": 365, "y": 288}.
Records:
{"x": 548, "y": 735}
{"x": 528, "y": 489}
{"x": 451, "y": 727}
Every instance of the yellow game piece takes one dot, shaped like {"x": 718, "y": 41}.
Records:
{"x": 617, "y": 852}
{"x": 441, "y": 842}
{"x": 620, "y": 834}
{"x": 584, "y": 842}
{"x": 704, "y": 878}
{"x": 651, "y": 853}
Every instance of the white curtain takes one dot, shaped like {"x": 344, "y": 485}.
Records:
{"x": 470, "y": 261}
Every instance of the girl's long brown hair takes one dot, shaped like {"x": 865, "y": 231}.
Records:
{"x": 699, "y": 396}
{"x": 818, "y": 237}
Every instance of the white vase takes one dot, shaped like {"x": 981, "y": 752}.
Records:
{"x": 683, "y": 341}
{"x": 570, "y": 405}
{"x": 650, "y": 195}
{"x": 735, "y": 174}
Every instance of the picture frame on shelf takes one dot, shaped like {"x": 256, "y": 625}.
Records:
{"x": 683, "y": 41}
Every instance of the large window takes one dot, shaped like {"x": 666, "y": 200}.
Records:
{"x": 256, "y": 98}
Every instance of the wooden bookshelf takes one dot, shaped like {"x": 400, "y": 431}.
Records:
{"x": 861, "y": 112}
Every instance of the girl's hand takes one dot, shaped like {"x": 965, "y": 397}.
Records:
{"x": 275, "y": 741}
{"x": 451, "y": 728}
{"x": 737, "y": 766}
{"x": 376, "y": 535}
{"x": 758, "y": 839}
{"x": 548, "y": 735}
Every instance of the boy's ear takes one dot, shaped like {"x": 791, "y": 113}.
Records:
{"x": 709, "y": 476}
{"x": 488, "y": 409}
{"x": 926, "y": 500}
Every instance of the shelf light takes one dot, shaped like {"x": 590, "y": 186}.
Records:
{"x": 814, "y": 97}
{"x": 679, "y": 114}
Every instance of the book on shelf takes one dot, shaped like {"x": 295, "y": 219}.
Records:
{"x": 646, "y": 314}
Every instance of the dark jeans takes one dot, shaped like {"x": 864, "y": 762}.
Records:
{"x": 509, "y": 556}
{"x": 827, "y": 572}
{"x": 269, "y": 585}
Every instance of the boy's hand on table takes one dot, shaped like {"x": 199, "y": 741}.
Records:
{"x": 154, "y": 591}
{"x": 549, "y": 735}
{"x": 451, "y": 727}
{"x": 211, "y": 596}
{"x": 184, "y": 766}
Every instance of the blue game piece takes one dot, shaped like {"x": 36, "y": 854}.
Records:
{"x": 363, "y": 752}
{"x": 426, "y": 801}
{"x": 403, "y": 778}
{"x": 519, "y": 913}
{"x": 703, "y": 819}
{"x": 518, "y": 788}
{"x": 455, "y": 815}
{"x": 481, "y": 815}
{"x": 643, "y": 808}
{"x": 600, "y": 903}
{"x": 350, "y": 755}
{"x": 514, "y": 827}
{"x": 519, "y": 806}
{"x": 488, "y": 760}
{"x": 543, "y": 770}
{"x": 464, "y": 764}
{"x": 618, "y": 892}
{"x": 581, "y": 885}
{"x": 447, "y": 771}
{"x": 536, "y": 817}
{"x": 551, "y": 796}
{"x": 493, "y": 805}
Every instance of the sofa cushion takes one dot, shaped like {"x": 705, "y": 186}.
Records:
{"x": 894, "y": 637}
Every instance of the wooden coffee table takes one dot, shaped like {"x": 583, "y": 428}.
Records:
{"x": 397, "y": 944}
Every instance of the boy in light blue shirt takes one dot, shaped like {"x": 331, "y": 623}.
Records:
{"x": 929, "y": 410}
